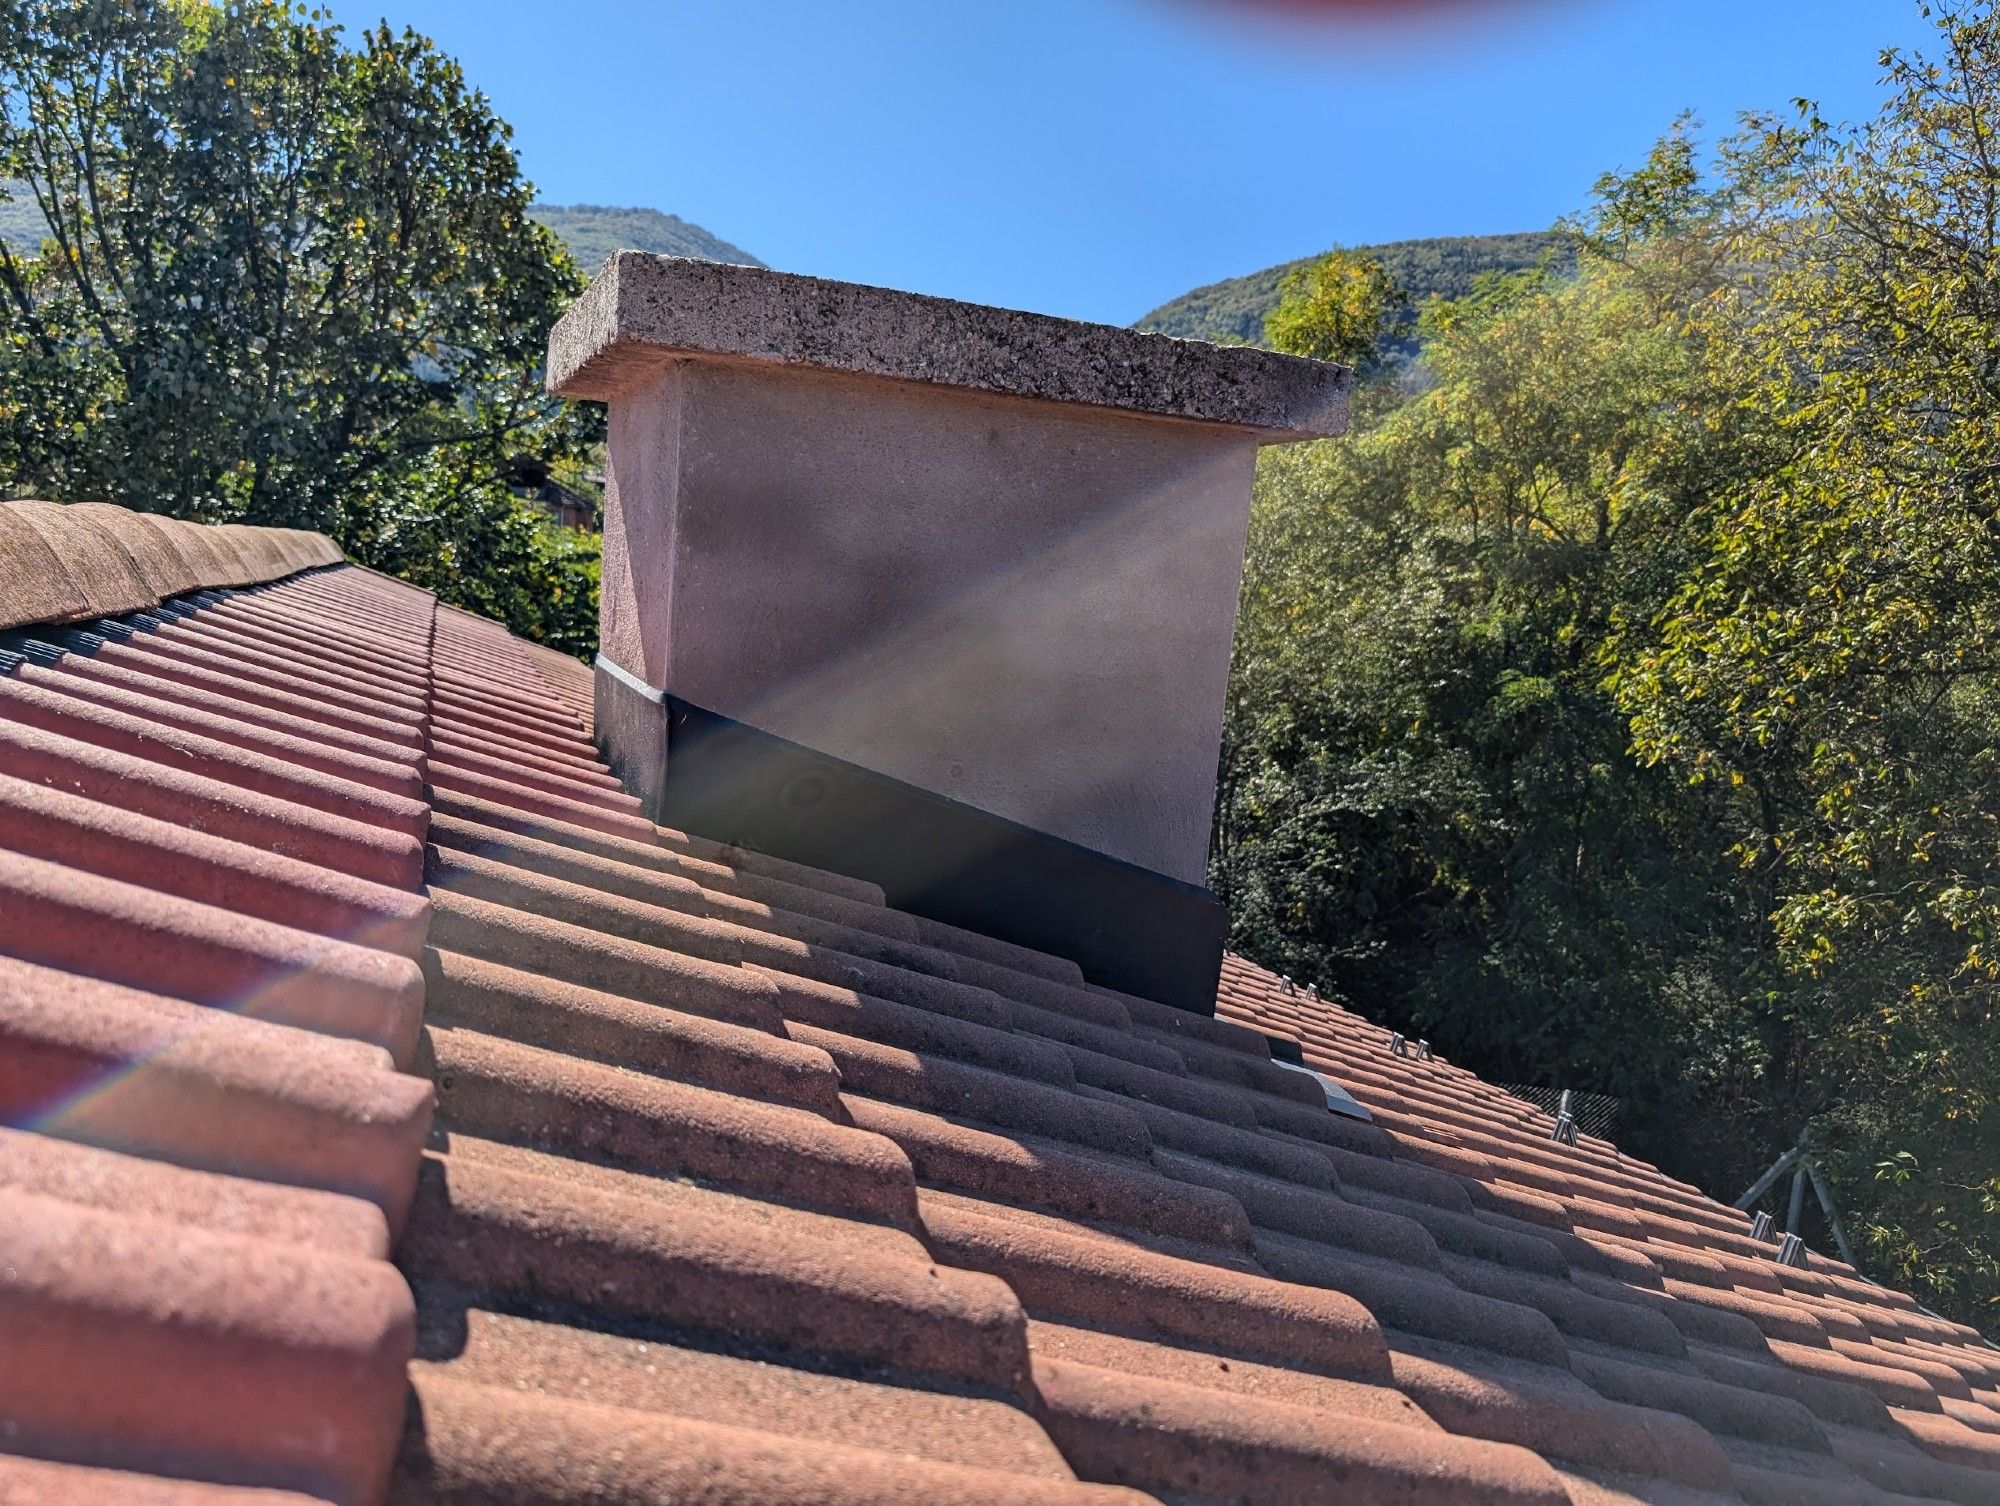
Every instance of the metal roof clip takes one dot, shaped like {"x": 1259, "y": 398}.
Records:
{"x": 1792, "y": 1251}
{"x": 1565, "y": 1130}
{"x": 1397, "y": 1045}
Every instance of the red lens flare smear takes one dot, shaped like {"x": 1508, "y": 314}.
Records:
{"x": 1377, "y": 17}
{"x": 1387, "y": 10}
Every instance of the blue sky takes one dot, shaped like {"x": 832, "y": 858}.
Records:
{"x": 1095, "y": 157}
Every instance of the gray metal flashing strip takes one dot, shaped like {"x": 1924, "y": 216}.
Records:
{"x": 1338, "y": 1099}
{"x": 630, "y": 681}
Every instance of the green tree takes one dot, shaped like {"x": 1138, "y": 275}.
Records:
{"x": 1622, "y": 709}
{"x": 469, "y": 540}
{"x": 1337, "y": 308}
{"x": 1426, "y": 799}
{"x": 284, "y": 276}
{"x": 1833, "y": 660}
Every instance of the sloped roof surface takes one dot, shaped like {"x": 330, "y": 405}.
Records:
{"x": 395, "y": 1111}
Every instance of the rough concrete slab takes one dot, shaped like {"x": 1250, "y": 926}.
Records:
{"x": 644, "y": 310}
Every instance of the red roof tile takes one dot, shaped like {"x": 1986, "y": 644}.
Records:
{"x": 395, "y": 1111}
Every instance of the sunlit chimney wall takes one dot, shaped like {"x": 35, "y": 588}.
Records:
{"x": 938, "y": 594}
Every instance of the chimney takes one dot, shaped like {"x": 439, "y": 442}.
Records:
{"x": 931, "y": 594}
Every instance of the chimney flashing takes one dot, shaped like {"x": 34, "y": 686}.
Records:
{"x": 644, "y": 310}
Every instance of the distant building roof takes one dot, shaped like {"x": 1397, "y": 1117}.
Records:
{"x": 396, "y": 1110}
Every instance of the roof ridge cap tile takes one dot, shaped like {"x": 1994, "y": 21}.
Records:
{"x": 69, "y": 562}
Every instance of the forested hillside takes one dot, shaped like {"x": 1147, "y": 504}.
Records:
{"x": 593, "y": 231}
{"x": 590, "y": 231}
{"x": 1444, "y": 267}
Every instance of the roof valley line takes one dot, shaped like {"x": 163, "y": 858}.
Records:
{"x": 393, "y": 1110}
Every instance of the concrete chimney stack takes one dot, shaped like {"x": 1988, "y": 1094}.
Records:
{"x": 931, "y": 594}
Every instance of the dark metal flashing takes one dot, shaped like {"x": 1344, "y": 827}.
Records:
{"x": 1285, "y": 1049}
{"x": 1127, "y": 927}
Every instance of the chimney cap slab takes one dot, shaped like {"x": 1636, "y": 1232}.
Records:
{"x": 643, "y": 310}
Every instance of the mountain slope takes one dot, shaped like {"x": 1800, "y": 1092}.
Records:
{"x": 594, "y": 231}
{"x": 1444, "y": 266}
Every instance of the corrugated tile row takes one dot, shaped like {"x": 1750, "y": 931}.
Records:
{"x": 398, "y": 1112}
{"x": 211, "y": 932}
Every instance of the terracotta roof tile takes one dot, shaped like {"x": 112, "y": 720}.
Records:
{"x": 33, "y": 1482}
{"x": 48, "y": 1166}
{"x": 143, "y": 1340}
{"x": 328, "y": 938}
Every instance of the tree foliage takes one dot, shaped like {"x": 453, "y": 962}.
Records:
{"x": 285, "y": 279}
{"x": 1834, "y": 658}
{"x": 468, "y": 539}
{"x": 1446, "y": 266}
{"x": 1336, "y": 308}
{"x": 1619, "y": 710}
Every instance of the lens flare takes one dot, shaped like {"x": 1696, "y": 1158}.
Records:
{"x": 1373, "y": 16}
